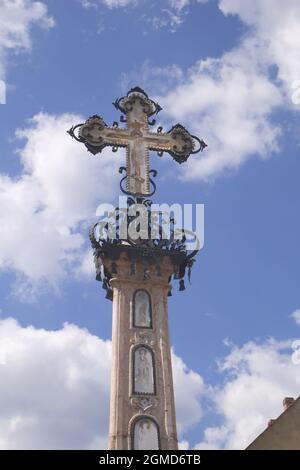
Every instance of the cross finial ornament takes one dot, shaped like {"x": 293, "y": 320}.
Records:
{"x": 138, "y": 108}
{"x": 137, "y": 270}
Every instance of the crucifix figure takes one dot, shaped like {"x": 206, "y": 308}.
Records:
{"x": 136, "y": 138}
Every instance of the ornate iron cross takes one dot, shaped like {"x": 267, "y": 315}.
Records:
{"x": 136, "y": 138}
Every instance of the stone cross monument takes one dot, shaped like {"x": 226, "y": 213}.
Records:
{"x": 136, "y": 272}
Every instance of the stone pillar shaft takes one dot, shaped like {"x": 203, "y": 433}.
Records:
{"x": 127, "y": 404}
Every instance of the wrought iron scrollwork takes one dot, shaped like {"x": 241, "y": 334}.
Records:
{"x": 89, "y": 133}
{"x": 96, "y": 135}
{"x": 202, "y": 145}
{"x": 185, "y": 147}
{"x": 146, "y": 249}
{"x": 182, "y": 143}
{"x": 72, "y": 133}
{"x": 138, "y": 111}
{"x": 124, "y": 104}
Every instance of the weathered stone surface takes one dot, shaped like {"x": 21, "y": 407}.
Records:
{"x": 125, "y": 406}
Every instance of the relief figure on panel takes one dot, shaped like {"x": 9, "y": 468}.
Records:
{"x": 142, "y": 309}
{"x": 143, "y": 371}
{"x": 145, "y": 435}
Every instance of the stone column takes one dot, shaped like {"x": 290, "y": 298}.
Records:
{"x": 132, "y": 412}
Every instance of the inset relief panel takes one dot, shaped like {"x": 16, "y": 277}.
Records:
{"x": 145, "y": 434}
{"x": 143, "y": 370}
{"x": 142, "y": 314}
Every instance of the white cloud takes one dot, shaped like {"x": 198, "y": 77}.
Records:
{"x": 177, "y": 5}
{"x": 187, "y": 383}
{"x": 171, "y": 13}
{"x": 55, "y": 388}
{"x": 109, "y": 3}
{"x": 16, "y": 20}
{"x": 86, "y": 268}
{"x": 118, "y": 3}
{"x": 296, "y": 316}
{"x": 183, "y": 445}
{"x": 276, "y": 29}
{"x": 181, "y": 4}
{"x": 149, "y": 76}
{"x": 46, "y": 211}
{"x": 228, "y": 102}
{"x": 257, "y": 378}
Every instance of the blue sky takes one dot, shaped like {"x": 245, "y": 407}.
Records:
{"x": 225, "y": 69}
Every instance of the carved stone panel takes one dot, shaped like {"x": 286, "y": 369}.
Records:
{"x": 143, "y": 403}
{"x": 143, "y": 337}
{"x": 145, "y": 435}
{"x": 143, "y": 371}
{"x": 142, "y": 315}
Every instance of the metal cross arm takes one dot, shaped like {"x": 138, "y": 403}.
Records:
{"x": 136, "y": 138}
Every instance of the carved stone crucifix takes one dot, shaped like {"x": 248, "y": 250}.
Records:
{"x": 136, "y": 138}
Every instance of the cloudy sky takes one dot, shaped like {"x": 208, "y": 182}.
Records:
{"x": 230, "y": 71}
